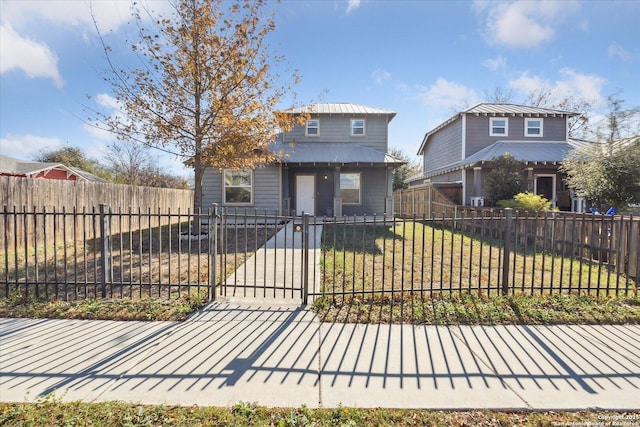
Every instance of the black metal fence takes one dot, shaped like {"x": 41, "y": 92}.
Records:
{"x": 240, "y": 253}
{"x": 100, "y": 253}
{"x": 488, "y": 252}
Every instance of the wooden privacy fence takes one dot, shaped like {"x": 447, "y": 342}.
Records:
{"x": 422, "y": 200}
{"x": 66, "y": 209}
{"x": 609, "y": 240}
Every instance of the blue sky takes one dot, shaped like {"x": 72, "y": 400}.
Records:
{"x": 421, "y": 59}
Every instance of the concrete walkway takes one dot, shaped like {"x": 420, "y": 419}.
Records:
{"x": 284, "y": 357}
{"x": 259, "y": 281}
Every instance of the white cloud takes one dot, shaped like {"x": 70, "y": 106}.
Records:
{"x": 587, "y": 87}
{"x": 380, "y": 76}
{"x": 617, "y": 51}
{"x": 110, "y": 15}
{"x": 27, "y": 146}
{"x": 446, "y": 94}
{"x": 523, "y": 23}
{"x": 353, "y": 5}
{"x": 33, "y": 58}
{"x": 498, "y": 63}
{"x": 31, "y": 54}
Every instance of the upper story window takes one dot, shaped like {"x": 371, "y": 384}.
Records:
{"x": 238, "y": 187}
{"x": 532, "y": 127}
{"x": 498, "y": 126}
{"x": 313, "y": 127}
{"x": 357, "y": 127}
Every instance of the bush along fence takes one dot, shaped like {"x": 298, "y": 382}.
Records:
{"x": 242, "y": 253}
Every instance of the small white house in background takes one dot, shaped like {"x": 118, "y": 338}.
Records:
{"x": 336, "y": 164}
{"x": 457, "y": 154}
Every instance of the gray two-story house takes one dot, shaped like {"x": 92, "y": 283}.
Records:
{"x": 457, "y": 154}
{"x": 336, "y": 164}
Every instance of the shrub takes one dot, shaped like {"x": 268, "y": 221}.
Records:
{"x": 527, "y": 201}
{"x": 505, "y": 179}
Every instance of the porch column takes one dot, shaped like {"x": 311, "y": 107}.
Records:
{"x": 337, "y": 198}
{"x": 388, "y": 200}
{"x": 477, "y": 181}
{"x": 530, "y": 180}
{"x": 286, "y": 196}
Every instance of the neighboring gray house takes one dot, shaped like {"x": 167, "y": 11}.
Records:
{"x": 337, "y": 164}
{"x": 457, "y": 154}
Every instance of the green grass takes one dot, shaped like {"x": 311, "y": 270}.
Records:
{"x": 51, "y": 412}
{"x": 415, "y": 257}
{"x": 175, "y": 309}
{"x": 479, "y": 309}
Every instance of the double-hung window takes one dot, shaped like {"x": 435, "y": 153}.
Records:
{"x": 532, "y": 127}
{"x": 238, "y": 187}
{"x": 357, "y": 127}
{"x": 313, "y": 128}
{"x": 498, "y": 126}
{"x": 350, "y": 188}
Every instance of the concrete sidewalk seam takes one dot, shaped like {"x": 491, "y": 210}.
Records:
{"x": 492, "y": 369}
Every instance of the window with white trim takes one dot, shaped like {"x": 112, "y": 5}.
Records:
{"x": 533, "y": 127}
{"x": 357, "y": 127}
{"x": 313, "y": 127}
{"x": 238, "y": 187}
{"x": 498, "y": 126}
{"x": 350, "y": 188}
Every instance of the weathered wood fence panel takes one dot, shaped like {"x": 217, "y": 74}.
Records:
{"x": 422, "y": 200}
{"x": 69, "y": 204}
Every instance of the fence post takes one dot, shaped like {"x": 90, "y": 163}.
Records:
{"x": 506, "y": 238}
{"x": 213, "y": 248}
{"x": 105, "y": 252}
{"x": 305, "y": 259}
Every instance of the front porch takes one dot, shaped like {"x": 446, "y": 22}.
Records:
{"x": 337, "y": 190}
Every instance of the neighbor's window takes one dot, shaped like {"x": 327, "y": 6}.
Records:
{"x": 350, "y": 188}
{"x": 313, "y": 127}
{"x": 532, "y": 127}
{"x": 498, "y": 126}
{"x": 357, "y": 127}
{"x": 238, "y": 187}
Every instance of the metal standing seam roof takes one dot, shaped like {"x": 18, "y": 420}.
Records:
{"x": 528, "y": 152}
{"x": 333, "y": 153}
{"x": 552, "y": 152}
{"x": 509, "y": 109}
{"x": 341, "y": 108}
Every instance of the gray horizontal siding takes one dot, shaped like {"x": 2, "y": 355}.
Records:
{"x": 455, "y": 176}
{"x": 337, "y": 128}
{"x": 554, "y": 129}
{"x": 444, "y": 147}
{"x": 373, "y": 192}
{"x": 266, "y": 189}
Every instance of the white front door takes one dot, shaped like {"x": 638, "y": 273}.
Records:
{"x": 305, "y": 194}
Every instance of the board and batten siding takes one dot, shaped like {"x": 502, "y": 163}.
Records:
{"x": 266, "y": 189}
{"x": 554, "y": 129}
{"x": 337, "y": 128}
{"x": 444, "y": 147}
